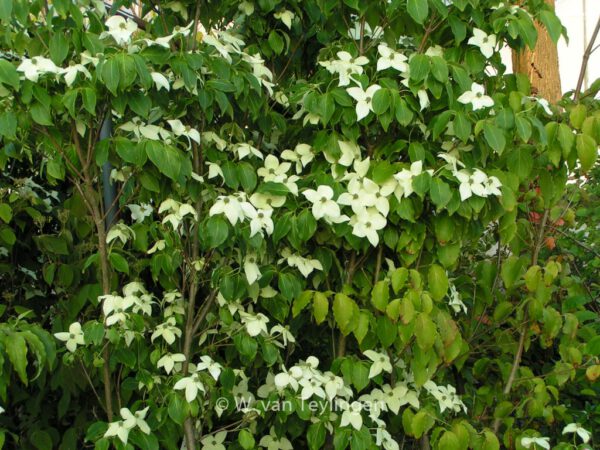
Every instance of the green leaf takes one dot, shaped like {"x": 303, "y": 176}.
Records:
{"x": 217, "y": 231}
{"x": 490, "y": 441}
{"x": 566, "y": 138}
{"x": 523, "y": 128}
{"x": 40, "y": 114}
{"x": 119, "y": 263}
{"x": 520, "y": 162}
{"x": 53, "y": 244}
{"x": 380, "y": 295}
{"x": 59, "y": 48}
{"x": 421, "y": 422}
{"x": 8, "y": 73}
{"x": 88, "y": 95}
{"x": 552, "y": 24}
{"x": 6, "y": 7}
{"x": 177, "y": 409}
{"x": 577, "y": 116}
{"x": 276, "y": 42}
{"x": 425, "y": 331}
{"x": 316, "y": 436}
{"x": 301, "y": 302}
{"x": 166, "y": 158}
{"x": 382, "y": 171}
{"x": 449, "y": 441}
{"x": 326, "y": 107}
{"x": 272, "y": 188}
{"x": 344, "y": 311}
{"x": 399, "y": 277}
{"x": 462, "y": 126}
{"x": 440, "y": 193}
{"x": 587, "y": 151}
{"x": 16, "y": 349}
{"x": 360, "y": 375}
{"x": 320, "y": 307}
{"x": 494, "y": 137}
{"x": 246, "y": 440}
{"x": 246, "y": 174}
{"x": 386, "y": 331}
{"x": 8, "y": 124}
{"x": 306, "y": 225}
{"x": 511, "y": 271}
{"x": 419, "y": 67}
{"x": 110, "y": 75}
{"x": 131, "y": 152}
{"x": 418, "y": 10}
{"x": 5, "y": 212}
{"x": 381, "y": 101}
{"x": 289, "y": 285}
{"x": 438, "y": 282}
{"x": 593, "y": 346}
{"x": 41, "y": 440}
{"x": 439, "y": 69}
{"x": 144, "y": 441}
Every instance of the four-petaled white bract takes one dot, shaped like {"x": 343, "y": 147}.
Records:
{"x": 73, "y": 337}
{"x": 192, "y": 385}
{"x": 485, "y": 42}
{"x": 476, "y": 97}
{"x": 391, "y": 58}
{"x": 364, "y": 99}
{"x": 214, "y": 441}
{"x": 121, "y": 29}
{"x": 381, "y": 363}
{"x": 121, "y": 428}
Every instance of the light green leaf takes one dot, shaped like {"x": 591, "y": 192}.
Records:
{"x": 5, "y": 212}
{"x": 438, "y": 282}
{"x": 16, "y": 349}
{"x": 345, "y": 310}
{"x": 587, "y": 151}
{"x": 449, "y": 441}
{"x": 380, "y": 295}
{"x": 320, "y": 307}
{"x": 425, "y": 331}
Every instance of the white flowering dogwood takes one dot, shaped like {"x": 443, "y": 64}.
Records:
{"x": 267, "y": 225}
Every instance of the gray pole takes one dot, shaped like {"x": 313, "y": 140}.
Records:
{"x": 109, "y": 190}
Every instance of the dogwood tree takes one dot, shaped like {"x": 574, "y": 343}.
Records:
{"x": 279, "y": 224}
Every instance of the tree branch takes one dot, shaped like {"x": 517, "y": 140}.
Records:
{"x": 525, "y": 326}
{"x": 584, "y": 63}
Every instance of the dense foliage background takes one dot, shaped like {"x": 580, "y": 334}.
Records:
{"x": 344, "y": 202}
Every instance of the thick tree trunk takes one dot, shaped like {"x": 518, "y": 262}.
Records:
{"x": 541, "y": 65}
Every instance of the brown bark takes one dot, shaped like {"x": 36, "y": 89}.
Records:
{"x": 540, "y": 65}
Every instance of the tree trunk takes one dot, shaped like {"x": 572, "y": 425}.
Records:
{"x": 540, "y": 65}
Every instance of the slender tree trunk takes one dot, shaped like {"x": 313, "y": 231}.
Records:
{"x": 541, "y": 65}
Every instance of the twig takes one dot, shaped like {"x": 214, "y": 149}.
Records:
{"x": 584, "y": 62}
{"x": 341, "y": 350}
